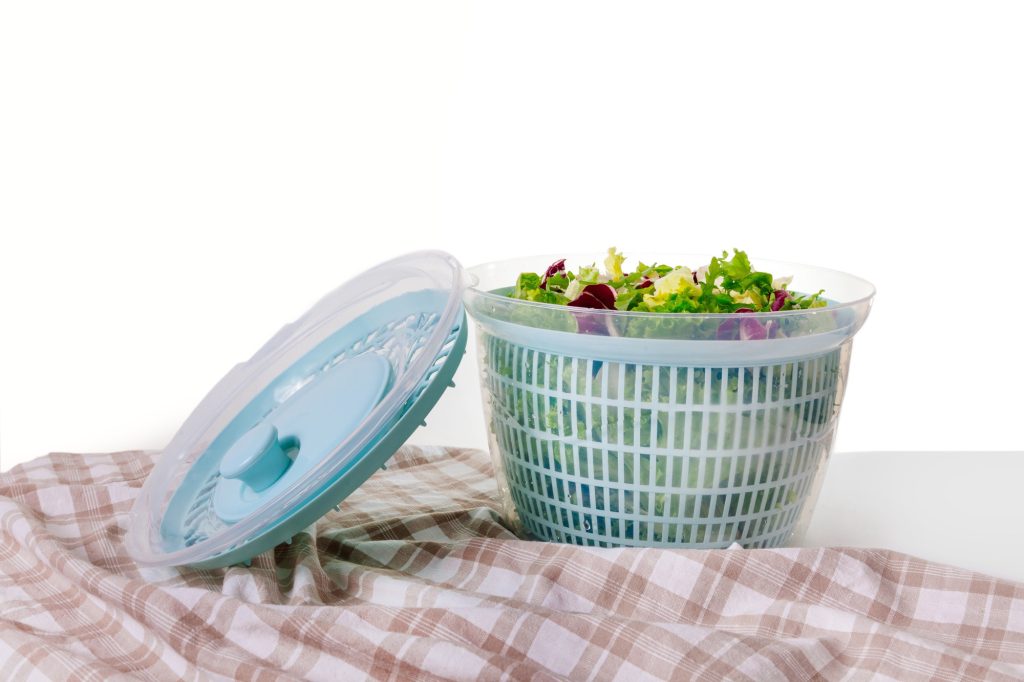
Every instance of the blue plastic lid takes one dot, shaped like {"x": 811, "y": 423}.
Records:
{"x": 288, "y": 434}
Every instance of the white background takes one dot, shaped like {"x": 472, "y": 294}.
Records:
{"x": 177, "y": 180}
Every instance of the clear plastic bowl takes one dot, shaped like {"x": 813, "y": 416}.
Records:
{"x": 615, "y": 428}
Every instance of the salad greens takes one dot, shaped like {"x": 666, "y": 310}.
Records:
{"x": 725, "y": 285}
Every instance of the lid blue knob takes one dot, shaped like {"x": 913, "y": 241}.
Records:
{"x": 257, "y": 458}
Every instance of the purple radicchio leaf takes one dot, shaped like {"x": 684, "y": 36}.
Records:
{"x": 646, "y": 282}
{"x": 727, "y": 330}
{"x": 751, "y": 329}
{"x": 597, "y": 297}
{"x": 592, "y": 323}
{"x": 555, "y": 268}
{"x": 587, "y": 300}
{"x": 780, "y": 298}
{"x": 746, "y": 329}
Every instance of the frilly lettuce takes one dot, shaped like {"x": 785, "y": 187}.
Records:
{"x": 725, "y": 285}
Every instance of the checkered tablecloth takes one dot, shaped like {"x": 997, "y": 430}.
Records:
{"x": 416, "y": 578}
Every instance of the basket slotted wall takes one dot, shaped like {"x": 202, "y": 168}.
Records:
{"x": 631, "y": 454}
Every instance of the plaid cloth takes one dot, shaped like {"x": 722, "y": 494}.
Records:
{"x": 416, "y": 578}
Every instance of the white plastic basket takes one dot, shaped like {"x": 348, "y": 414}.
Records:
{"x": 633, "y": 438}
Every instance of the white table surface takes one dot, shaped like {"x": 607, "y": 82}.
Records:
{"x": 959, "y": 508}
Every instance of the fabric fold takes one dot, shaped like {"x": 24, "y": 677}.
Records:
{"x": 418, "y": 577}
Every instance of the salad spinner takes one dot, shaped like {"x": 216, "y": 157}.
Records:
{"x": 606, "y": 428}
{"x": 622, "y": 428}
